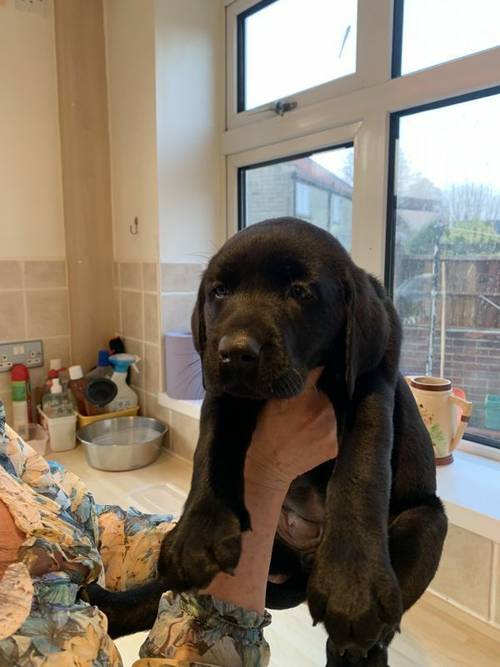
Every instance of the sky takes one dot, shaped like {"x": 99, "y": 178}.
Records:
{"x": 295, "y": 44}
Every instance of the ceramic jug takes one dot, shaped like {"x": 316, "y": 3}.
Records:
{"x": 445, "y": 414}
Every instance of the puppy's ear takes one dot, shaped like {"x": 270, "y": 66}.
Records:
{"x": 198, "y": 320}
{"x": 367, "y": 328}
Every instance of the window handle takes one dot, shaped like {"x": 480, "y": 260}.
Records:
{"x": 280, "y": 108}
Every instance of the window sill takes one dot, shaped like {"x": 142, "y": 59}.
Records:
{"x": 188, "y": 408}
{"x": 469, "y": 488}
{"x": 470, "y": 491}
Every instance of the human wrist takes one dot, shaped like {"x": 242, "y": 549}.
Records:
{"x": 266, "y": 475}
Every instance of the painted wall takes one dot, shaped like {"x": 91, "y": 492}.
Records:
{"x": 190, "y": 100}
{"x": 31, "y": 210}
{"x": 130, "y": 53}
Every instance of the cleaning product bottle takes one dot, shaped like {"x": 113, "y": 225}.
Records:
{"x": 57, "y": 402}
{"x": 76, "y": 385}
{"x": 22, "y": 406}
{"x": 126, "y": 397}
{"x": 57, "y": 370}
{"x": 103, "y": 368}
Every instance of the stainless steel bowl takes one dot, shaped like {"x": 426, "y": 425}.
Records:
{"x": 122, "y": 443}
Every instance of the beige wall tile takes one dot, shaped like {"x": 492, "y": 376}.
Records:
{"x": 154, "y": 409}
{"x": 47, "y": 313}
{"x": 57, "y": 348}
{"x": 136, "y": 347}
{"x": 181, "y": 277}
{"x": 44, "y": 274}
{"x": 150, "y": 276}
{"x": 465, "y": 570}
{"x": 4, "y": 382}
{"x": 116, "y": 274}
{"x": 151, "y": 328}
{"x": 495, "y": 591}
{"x": 131, "y": 314}
{"x": 130, "y": 275}
{"x": 118, "y": 313}
{"x": 176, "y": 311}
{"x": 142, "y": 401}
{"x": 11, "y": 275}
{"x": 184, "y": 432}
{"x": 12, "y": 326}
{"x": 152, "y": 368}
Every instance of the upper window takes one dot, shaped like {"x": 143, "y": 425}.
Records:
{"x": 287, "y": 46}
{"x": 446, "y": 253}
{"x": 435, "y": 31}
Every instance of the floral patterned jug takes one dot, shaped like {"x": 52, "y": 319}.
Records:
{"x": 444, "y": 413}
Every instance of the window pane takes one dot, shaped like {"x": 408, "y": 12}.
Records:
{"x": 447, "y": 259}
{"x": 435, "y": 31}
{"x": 292, "y": 45}
{"x": 317, "y": 188}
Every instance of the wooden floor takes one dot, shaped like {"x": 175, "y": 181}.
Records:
{"x": 434, "y": 634}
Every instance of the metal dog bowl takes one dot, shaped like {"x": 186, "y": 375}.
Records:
{"x": 122, "y": 443}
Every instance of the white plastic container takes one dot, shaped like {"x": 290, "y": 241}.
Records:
{"x": 61, "y": 431}
{"x": 35, "y": 436}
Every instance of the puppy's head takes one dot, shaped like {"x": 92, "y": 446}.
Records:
{"x": 273, "y": 303}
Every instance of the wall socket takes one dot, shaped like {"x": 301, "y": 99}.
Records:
{"x": 27, "y": 352}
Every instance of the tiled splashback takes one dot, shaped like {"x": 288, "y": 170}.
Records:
{"x": 136, "y": 289}
{"x": 151, "y": 299}
{"x": 34, "y": 305}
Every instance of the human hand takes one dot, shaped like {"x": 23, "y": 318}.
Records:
{"x": 292, "y": 436}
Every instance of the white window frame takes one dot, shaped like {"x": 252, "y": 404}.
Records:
{"x": 339, "y": 112}
{"x": 360, "y": 115}
{"x": 374, "y": 23}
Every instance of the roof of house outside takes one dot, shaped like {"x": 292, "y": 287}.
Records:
{"x": 315, "y": 174}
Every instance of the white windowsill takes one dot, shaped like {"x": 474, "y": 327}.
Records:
{"x": 188, "y": 408}
{"x": 469, "y": 488}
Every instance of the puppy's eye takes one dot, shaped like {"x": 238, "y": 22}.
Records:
{"x": 300, "y": 292}
{"x": 220, "y": 291}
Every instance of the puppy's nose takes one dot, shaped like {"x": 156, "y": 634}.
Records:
{"x": 239, "y": 350}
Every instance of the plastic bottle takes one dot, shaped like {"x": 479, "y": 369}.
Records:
{"x": 57, "y": 402}
{"x": 56, "y": 369}
{"x": 126, "y": 397}
{"x": 20, "y": 386}
{"x": 76, "y": 385}
{"x": 103, "y": 368}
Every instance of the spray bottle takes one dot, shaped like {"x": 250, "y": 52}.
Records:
{"x": 126, "y": 397}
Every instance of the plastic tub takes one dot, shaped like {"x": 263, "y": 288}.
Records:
{"x": 492, "y": 411}
{"x": 61, "y": 431}
{"x": 84, "y": 420}
{"x": 34, "y": 435}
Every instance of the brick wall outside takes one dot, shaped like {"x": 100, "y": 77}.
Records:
{"x": 472, "y": 361}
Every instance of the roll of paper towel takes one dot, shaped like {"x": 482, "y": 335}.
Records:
{"x": 183, "y": 367}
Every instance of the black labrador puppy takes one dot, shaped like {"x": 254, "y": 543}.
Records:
{"x": 279, "y": 299}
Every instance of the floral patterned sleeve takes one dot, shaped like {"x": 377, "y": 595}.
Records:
{"x": 69, "y": 540}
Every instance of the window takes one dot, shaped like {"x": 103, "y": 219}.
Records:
{"x": 302, "y": 200}
{"x": 435, "y": 31}
{"x": 447, "y": 249}
{"x": 286, "y": 46}
{"x": 389, "y": 191}
{"x": 306, "y": 186}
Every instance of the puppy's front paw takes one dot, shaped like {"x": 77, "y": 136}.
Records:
{"x": 359, "y": 603}
{"x": 206, "y": 541}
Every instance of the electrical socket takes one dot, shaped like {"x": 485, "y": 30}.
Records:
{"x": 27, "y": 352}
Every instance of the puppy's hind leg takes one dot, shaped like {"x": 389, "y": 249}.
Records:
{"x": 416, "y": 538}
{"x": 127, "y": 611}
